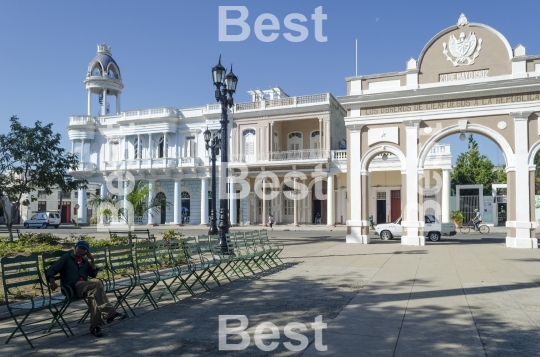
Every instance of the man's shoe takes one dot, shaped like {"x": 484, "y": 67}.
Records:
{"x": 96, "y": 331}
{"x": 117, "y": 317}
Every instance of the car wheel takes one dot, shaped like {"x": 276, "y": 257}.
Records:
{"x": 57, "y": 226}
{"x": 26, "y": 225}
{"x": 44, "y": 225}
{"x": 434, "y": 236}
{"x": 386, "y": 235}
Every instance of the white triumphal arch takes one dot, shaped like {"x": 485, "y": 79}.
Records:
{"x": 467, "y": 79}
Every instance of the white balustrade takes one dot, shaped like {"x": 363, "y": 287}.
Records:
{"x": 283, "y": 102}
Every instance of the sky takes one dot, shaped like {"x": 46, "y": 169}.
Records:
{"x": 166, "y": 49}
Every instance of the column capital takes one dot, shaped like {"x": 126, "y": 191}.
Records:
{"x": 521, "y": 115}
{"x": 271, "y": 123}
{"x": 412, "y": 123}
{"x": 355, "y": 127}
{"x": 320, "y": 118}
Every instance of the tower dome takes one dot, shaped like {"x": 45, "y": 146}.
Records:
{"x": 103, "y": 79}
{"x": 103, "y": 64}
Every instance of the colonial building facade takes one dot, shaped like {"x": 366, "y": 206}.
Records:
{"x": 287, "y": 156}
{"x": 467, "y": 79}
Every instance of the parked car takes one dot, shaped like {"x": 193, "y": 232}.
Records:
{"x": 43, "y": 220}
{"x": 433, "y": 229}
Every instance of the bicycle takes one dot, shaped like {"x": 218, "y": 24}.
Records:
{"x": 466, "y": 228}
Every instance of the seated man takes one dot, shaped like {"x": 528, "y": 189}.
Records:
{"x": 75, "y": 268}
{"x": 477, "y": 219}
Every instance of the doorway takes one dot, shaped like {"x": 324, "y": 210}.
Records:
{"x": 381, "y": 207}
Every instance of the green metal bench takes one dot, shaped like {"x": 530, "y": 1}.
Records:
{"x": 214, "y": 260}
{"x": 22, "y": 273}
{"x": 133, "y": 235}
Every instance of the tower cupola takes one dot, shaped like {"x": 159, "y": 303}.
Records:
{"x": 103, "y": 80}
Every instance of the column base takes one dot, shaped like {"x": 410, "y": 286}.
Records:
{"x": 356, "y": 235}
{"x": 413, "y": 240}
{"x": 361, "y": 239}
{"x": 331, "y": 225}
{"x": 524, "y": 243}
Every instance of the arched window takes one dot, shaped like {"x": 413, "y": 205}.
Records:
{"x": 96, "y": 72}
{"x": 163, "y": 146}
{"x": 295, "y": 141}
{"x": 314, "y": 140}
{"x": 186, "y": 206}
{"x": 137, "y": 148}
{"x": 249, "y": 145}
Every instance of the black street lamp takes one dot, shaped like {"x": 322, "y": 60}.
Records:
{"x": 225, "y": 88}
{"x": 213, "y": 143}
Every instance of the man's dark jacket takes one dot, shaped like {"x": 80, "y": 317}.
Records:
{"x": 69, "y": 270}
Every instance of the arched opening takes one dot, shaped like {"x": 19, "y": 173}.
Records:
{"x": 319, "y": 209}
{"x": 248, "y": 145}
{"x": 288, "y": 204}
{"x": 464, "y": 171}
{"x": 163, "y": 208}
{"x": 186, "y": 207}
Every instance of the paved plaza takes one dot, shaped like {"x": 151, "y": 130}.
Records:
{"x": 467, "y": 295}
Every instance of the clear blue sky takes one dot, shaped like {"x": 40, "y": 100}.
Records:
{"x": 166, "y": 49}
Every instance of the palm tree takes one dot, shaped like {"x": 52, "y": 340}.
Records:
{"x": 138, "y": 204}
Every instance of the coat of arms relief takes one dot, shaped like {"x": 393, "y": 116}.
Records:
{"x": 465, "y": 49}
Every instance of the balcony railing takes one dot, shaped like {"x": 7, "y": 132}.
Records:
{"x": 83, "y": 120}
{"x": 86, "y": 166}
{"x": 150, "y": 113}
{"x": 283, "y": 102}
{"x": 310, "y": 154}
{"x": 155, "y": 163}
{"x": 339, "y": 154}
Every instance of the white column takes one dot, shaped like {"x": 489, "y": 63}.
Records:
{"x": 330, "y": 210}
{"x": 72, "y": 146}
{"x": 271, "y": 141}
{"x": 295, "y": 202}
{"x": 411, "y": 222}
{"x": 320, "y": 132}
{"x": 445, "y": 196}
{"x": 177, "y": 201}
{"x": 118, "y": 103}
{"x": 151, "y": 213}
{"x": 149, "y": 146}
{"x": 263, "y": 220}
{"x": 89, "y": 102}
{"x": 128, "y": 216}
{"x": 522, "y": 205}
{"x": 81, "y": 159}
{"x": 103, "y": 194}
{"x": 232, "y": 202}
{"x": 355, "y": 188}
{"x": 82, "y": 206}
{"x": 104, "y": 103}
{"x": 204, "y": 201}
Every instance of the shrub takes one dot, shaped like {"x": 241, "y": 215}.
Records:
{"x": 171, "y": 234}
{"x": 9, "y": 249}
{"x": 457, "y": 217}
{"x": 38, "y": 238}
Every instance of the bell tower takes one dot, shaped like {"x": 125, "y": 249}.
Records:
{"x": 103, "y": 80}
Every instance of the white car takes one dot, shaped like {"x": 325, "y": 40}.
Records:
{"x": 43, "y": 220}
{"x": 433, "y": 229}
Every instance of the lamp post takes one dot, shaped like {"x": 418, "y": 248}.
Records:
{"x": 225, "y": 88}
{"x": 213, "y": 143}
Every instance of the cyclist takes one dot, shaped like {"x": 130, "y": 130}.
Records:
{"x": 477, "y": 219}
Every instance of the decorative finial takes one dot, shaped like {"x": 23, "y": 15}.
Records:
{"x": 219, "y": 61}
{"x": 462, "y": 21}
{"x": 103, "y": 48}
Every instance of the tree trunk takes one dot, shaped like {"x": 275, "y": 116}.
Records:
{"x": 10, "y": 219}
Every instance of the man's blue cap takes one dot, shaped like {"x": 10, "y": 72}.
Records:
{"x": 84, "y": 244}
